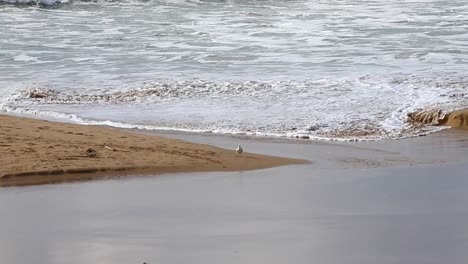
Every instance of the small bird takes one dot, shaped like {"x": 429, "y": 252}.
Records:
{"x": 239, "y": 150}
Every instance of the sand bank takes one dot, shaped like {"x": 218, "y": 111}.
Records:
{"x": 455, "y": 119}
{"x": 36, "y": 151}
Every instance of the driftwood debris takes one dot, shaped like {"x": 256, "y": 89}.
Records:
{"x": 114, "y": 149}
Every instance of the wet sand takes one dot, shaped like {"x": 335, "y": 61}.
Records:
{"x": 37, "y": 152}
{"x": 386, "y": 202}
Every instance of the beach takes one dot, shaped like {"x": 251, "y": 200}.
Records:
{"x": 390, "y": 201}
{"x": 120, "y": 123}
{"x": 36, "y": 151}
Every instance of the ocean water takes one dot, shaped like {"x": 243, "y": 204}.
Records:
{"x": 344, "y": 70}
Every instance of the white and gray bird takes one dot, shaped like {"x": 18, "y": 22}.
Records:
{"x": 239, "y": 150}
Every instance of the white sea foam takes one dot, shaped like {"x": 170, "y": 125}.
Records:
{"x": 72, "y": 118}
{"x": 364, "y": 108}
{"x": 24, "y": 58}
{"x": 42, "y": 2}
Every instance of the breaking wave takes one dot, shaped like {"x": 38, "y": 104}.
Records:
{"x": 36, "y": 2}
{"x": 158, "y": 90}
{"x": 48, "y": 3}
{"x": 365, "y": 108}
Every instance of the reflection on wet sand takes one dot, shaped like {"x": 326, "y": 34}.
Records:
{"x": 327, "y": 212}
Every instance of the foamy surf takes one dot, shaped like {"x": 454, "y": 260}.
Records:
{"x": 349, "y": 135}
{"x": 364, "y": 108}
{"x": 36, "y": 2}
{"x": 25, "y": 58}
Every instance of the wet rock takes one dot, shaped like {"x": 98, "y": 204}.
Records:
{"x": 91, "y": 153}
{"x": 312, "y": 128}
{"x": 40, "y": 93}
{"x": 426, "y": 117}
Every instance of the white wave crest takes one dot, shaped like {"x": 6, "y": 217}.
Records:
{"x": 37, "y": 2}
{"x": 367, "y": 108}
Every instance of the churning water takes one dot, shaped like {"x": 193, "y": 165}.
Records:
{"x": 316, "y": 68}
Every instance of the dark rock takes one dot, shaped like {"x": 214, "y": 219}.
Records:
{"x": 91, "y": 153}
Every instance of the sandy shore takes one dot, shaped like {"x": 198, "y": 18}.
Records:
{"x": 36, "y": 152}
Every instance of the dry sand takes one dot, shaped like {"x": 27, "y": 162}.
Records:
{"x": 37, "y": 152}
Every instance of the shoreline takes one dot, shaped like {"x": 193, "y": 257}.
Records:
{"x": 36, "y": 152}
